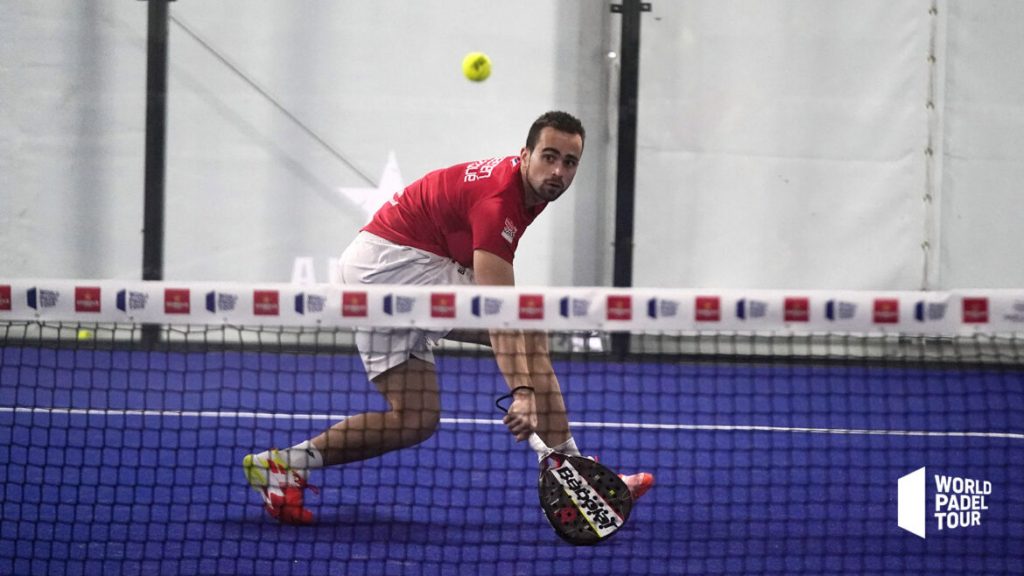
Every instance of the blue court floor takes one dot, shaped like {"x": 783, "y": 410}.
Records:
{"x": 118, "y": 462}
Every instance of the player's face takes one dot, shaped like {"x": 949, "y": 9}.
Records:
{"x": 550, "y": 167}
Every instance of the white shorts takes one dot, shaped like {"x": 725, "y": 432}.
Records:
{"x": 370, "y": 259}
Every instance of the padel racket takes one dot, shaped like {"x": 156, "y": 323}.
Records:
{"x": 584, "y": 501}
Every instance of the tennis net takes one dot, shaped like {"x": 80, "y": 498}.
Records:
{"x": 799, "y": 432}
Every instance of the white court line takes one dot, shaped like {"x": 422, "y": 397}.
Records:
{"x": 490, "y": 422}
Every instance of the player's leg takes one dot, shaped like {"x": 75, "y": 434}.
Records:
{"x": 414, "y": 411}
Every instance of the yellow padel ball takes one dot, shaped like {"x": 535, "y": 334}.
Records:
{"x": 476, "y": 66}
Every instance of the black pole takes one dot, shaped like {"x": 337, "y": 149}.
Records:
{"x": 156, "y": 151}
{"x": 625, "y": 181}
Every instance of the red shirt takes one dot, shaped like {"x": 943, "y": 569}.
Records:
{"x": 454, "y": 211}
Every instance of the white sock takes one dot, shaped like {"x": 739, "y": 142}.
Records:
{"x": 300, "y": 458}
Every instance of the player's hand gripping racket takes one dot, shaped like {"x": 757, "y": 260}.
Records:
{"x": 584, "y": 501}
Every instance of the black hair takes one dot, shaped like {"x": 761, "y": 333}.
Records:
{"x": 561, "y": 121}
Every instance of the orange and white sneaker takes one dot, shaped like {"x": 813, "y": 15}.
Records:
{"x": 638, "y": 483}
{"x": 280, "y": 487}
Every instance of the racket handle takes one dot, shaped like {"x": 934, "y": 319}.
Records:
{"x": 542, "y": 449}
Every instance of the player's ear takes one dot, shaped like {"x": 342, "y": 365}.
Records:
{"x": 524, "y": 154}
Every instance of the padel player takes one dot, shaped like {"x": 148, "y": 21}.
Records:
{"x": 458, "y": 225}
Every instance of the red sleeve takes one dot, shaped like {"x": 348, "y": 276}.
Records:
{"x": 488, "y": 224}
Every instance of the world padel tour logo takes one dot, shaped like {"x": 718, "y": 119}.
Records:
{"x": 129, "y": 300}
{"x": 840, "y": 310}
{"x": 41, "y": 298}
{"x": 929, "y": 311}
{"x": 309, "y": 303}
{"x": 1015, "y": 314}
{"x": 570, "y": 307}
{"x": 482, "y": 306}
{"x": 662, "y": 308}
{"x": 398, "y": 304}
{"x": 221, "y": 301}
{"x": 751, "y": 309}
{"x": 955, "y": 502}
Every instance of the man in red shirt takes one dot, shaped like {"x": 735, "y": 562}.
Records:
{"x": 458, "y": 225}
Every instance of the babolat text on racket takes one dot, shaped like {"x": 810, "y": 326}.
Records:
{"x": 584, "y": 501}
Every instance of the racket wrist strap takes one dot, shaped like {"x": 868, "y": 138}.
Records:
{"x": 510, "y": 396}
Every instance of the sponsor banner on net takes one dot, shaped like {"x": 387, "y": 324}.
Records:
{"x": 930, "y": 501}
{"x": 563, "y": 308}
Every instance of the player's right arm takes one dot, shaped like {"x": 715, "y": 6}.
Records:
{"x": 510, "y": 349}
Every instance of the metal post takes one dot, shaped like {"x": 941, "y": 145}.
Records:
{"x": 156, "y": 154}
{"x": 625, "y": 181}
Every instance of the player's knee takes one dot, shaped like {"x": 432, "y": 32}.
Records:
{"x": 419, "y": 425}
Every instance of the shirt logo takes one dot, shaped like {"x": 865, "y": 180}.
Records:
{"x": 975, "y": 310}
{"x": 531, "y": 307}
{"x": 176, "y": 301}
{"x": 442, "y": 305}
{"x": 5, "y": 297}
{"x": 509, "y": 232}
{"x": 481, "y": 169}
{"x": 708, "y": 309}
{"x": 87, "y": 299}
{"x": 620, "y": 308}
{"x": 353, "y": 304}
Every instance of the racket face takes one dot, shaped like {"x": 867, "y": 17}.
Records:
{"x": 584, "y": 501}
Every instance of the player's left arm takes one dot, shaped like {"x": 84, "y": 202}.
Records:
{"x": 524, "y": 359}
